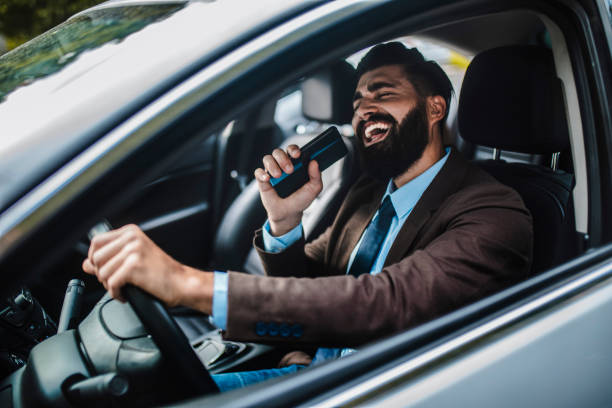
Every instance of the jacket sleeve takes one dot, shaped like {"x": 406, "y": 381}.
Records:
{"x": 298, "y": 260}
{"x": 482, "y": 249}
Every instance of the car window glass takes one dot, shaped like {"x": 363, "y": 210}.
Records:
{"x": 62, "y": 45}
{"x": 288, "y": 114}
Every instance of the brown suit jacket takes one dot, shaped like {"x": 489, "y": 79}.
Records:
{"x": 467, "y": 237}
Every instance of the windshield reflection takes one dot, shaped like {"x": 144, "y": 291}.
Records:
{"x": 57, "y": 48}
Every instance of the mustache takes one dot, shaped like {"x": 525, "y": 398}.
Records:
{"x": 382, "y": 117}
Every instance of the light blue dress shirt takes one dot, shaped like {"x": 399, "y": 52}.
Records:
{"x": 403, "y": 199}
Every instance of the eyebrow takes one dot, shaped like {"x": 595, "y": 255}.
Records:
{"x": 374, "y": 86}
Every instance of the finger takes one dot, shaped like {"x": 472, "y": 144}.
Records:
{"x": 114, "y": 263}
{"x": 88, "y": 267}
{"x": 294, "y": 151}
{"x": 314, "y": 175}
{"x": 271, "y": 166}
{"x": 114, "y": 285}
{"x": 283, "y": 160}
{"x": 121, "y": 277}
{"x": 112, "y": 248}
{"x": 104, "y": 238}
{"x": 261, "y": 175}
{"x": 263, "y": 180}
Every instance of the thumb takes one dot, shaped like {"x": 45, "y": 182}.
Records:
{"x": 315, "y": 175}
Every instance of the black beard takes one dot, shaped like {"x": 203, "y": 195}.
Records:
{"x": 402, "y": 147}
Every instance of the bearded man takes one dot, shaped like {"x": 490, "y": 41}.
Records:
{"x": 421, "y": 233}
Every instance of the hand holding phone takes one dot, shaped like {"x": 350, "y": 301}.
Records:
{"x": 326, "y": 149}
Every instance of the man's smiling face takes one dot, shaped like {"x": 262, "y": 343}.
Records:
{"x": 383, "y": 98}
{"x": 390, "y": 122}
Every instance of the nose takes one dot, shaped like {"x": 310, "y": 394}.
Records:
{"x": 366, "y": 109}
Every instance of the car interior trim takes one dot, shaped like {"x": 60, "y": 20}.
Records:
{"x": 173, "y": 216}
{"x": 587, "y": 70}
{"x": 565, "y": 72}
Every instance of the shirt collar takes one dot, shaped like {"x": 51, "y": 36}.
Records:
{"x": 405, "y": 198}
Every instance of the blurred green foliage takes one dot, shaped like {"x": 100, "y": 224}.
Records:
{"x": 21, "y": 20}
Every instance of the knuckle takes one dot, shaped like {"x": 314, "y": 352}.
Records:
{"x": 268, "y": 160}
{"x": 96, "y": 258}
{"x": 133, "y": 246}
{"x": 95, "y": 241}
{"x": 132, "y": 260}
{"x": 129, "y": 235}
{"x": 103, "y": 274}
{"x": 133, "y": 229}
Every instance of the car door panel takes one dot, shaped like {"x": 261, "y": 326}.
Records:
{"x": 175, "y": 209}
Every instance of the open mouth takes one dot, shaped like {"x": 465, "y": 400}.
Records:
{"x": 375, "y": 132}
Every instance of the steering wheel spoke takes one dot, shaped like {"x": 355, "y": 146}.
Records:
{"x": 179, "y": 356}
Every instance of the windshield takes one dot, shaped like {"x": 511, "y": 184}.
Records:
{"x": 57, "y": 48}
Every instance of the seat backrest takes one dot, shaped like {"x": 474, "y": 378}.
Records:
{"x": 239, "y": 150}
{"x": 326, "y": 98}
{"x": 511, "y": 99}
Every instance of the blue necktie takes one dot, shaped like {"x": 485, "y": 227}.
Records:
{"x": 373, "y": 239}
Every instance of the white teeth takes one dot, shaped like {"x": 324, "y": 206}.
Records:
{"x": 374, "y": 126}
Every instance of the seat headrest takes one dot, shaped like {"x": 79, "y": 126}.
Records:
{"x": 260, "y": 117}
{"x": 512, "y": 99}
{"x": 327, "y": 96}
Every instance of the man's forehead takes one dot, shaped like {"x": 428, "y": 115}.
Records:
{"x": 393, "y": 74}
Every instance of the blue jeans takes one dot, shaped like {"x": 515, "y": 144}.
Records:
{"x": 230, "y": 381}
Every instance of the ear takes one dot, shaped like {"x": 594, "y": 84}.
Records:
{"x": 436, "y": 109}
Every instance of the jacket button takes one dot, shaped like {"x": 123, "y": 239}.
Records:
{"x": 273, "y": 329}
{"x": 297, "y": 330}
{"x": 261, "y": 329}
{"x": 285, "y": 330}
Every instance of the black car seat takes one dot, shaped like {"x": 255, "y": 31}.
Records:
{"x": 239, "y": 149}
{"x": 326, "y": 99}
{"x": 511, "y": 99}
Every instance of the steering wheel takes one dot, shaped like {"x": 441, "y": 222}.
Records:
{"x": 178, "y": 354}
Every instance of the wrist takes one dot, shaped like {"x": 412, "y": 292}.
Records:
{"x": 279, "y": 228}
{"x": 196, "y": 289}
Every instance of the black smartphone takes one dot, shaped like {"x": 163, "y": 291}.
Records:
{"x": 327, "y": 148}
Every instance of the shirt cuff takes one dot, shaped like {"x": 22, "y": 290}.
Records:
{"x": 219, "y": 306}
{"x": 278, "y": 244}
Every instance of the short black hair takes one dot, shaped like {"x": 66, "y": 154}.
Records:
{"x": 426, "y": 76}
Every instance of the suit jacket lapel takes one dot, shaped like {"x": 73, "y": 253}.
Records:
{"x": 443, "y": 185}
